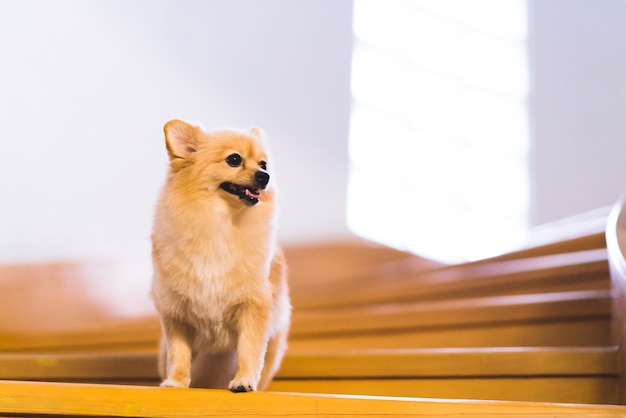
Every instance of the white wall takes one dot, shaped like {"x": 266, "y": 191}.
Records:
{"x": 86, "y": 86}
{"x": 578, "y": 105}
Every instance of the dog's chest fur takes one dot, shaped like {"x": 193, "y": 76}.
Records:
{"x": 207, "y": 268}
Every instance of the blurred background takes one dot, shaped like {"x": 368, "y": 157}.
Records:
{"x": 448, "y": 128}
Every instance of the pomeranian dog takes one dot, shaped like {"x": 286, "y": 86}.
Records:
{"x": 219, "y": 283}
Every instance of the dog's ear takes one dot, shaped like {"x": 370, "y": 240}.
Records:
{"x": 181, "y": 139}
{"x": 257, "y": 132}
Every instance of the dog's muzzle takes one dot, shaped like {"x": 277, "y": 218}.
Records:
{"x": 250, "y": 195}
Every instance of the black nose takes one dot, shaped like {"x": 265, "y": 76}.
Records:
{"x": 262, "y": 178}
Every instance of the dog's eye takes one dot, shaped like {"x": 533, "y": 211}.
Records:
{"x": 234, "y": 160}
{"x": 263, "y": 165}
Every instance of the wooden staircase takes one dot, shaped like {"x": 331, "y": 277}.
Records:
{"x": 376, "y": 332}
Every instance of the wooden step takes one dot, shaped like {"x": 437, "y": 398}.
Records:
{"x": 128, "y": 368}
{"x": 62, "y": 296}
{"x": 578, "y": 375}
{"x": 489, "y": 336}
{"x": 59, "y": 399}
{"x": 568, "y": 318}
{"x": 584, "y": 270}
{"x": 546, "y": 374}
{"x": 551, "y": 319}
{"x": 333, "y": 262}
{"x": 114, "y": 335}
{"x": 580, "y": 232}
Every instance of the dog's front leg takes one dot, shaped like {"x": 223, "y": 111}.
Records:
{"x": 178, "y": 344}
{"x": 251, "y": 347}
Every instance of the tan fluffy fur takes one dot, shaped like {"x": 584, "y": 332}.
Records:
{"x": 219, "y": 281}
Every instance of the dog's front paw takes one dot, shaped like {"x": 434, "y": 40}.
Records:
{"x": 171, "y": 383}
{"x": 242, "y": 385}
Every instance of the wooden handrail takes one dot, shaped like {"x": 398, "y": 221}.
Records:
{"x": 616, "y": 247}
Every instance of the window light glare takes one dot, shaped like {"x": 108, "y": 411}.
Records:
{"x": 505, "y": 19}
{"x": 493, "y": 183}
{"x": 372, "y": 196}
{"x": 431, "y": 100}
{"x": 435, "y": 163}
{"x": 376, "y": 140}
{"x": 433, "y": 228}
{"x": 494, "y": 65}
{"x": 381, "y": 23}
{"x": 434, "y": 43}
{"x": 377, "y": 80}
{"x": 439, "y": 131}
{"x": 484, "y": 234}
{"x": 493, "y": 122}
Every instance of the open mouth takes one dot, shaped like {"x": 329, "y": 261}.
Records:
{"x": 247, "y": 194}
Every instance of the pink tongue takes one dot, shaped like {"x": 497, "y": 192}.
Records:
{"x": 251, "y": 194}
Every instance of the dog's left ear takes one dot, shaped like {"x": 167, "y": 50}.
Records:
{"x": 181, "y": 139}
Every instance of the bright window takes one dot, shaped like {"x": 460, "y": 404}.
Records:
{"x": 439, "y": 129}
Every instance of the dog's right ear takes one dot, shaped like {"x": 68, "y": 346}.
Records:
{"x": 181, "y": 139}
